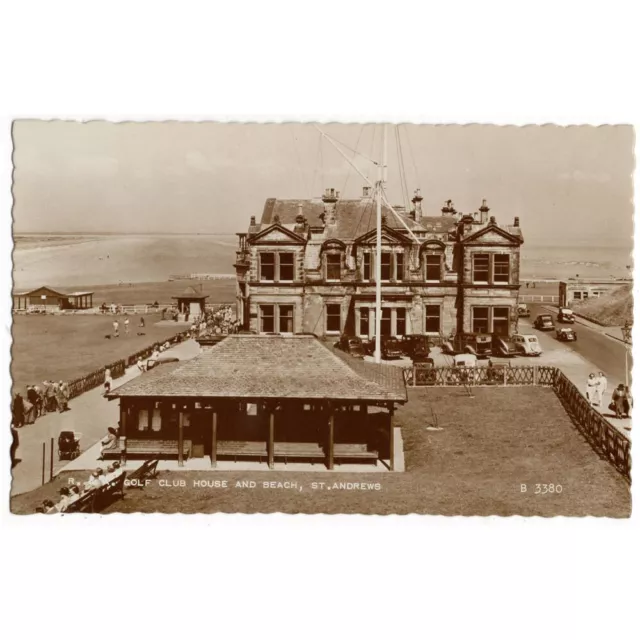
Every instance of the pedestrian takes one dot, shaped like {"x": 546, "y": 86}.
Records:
{"x": 628, "y": 402}
{"x": 107, "y": 381}
{"x": 591, "y": 388}
{"x": 116, "y": 329}
{"x": 60, "y": 398}
{"x": 618, "y": 401}
{"x": 39, "y": 402}
{"x": 141, "y": 366}
{"x": 17, "y": 411}
{"x": 33, "y": 399}
{"x": 601, "y": 388}
{"x": 141, "y": 325}
{"x": 126, "y": 325}
{"x": 15, "y": 443}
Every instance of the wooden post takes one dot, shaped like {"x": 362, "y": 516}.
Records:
{"x": 272, "y": 424}
{"x": 122, "y": 433}
{"x": 330, "y": 447}
{"x": 180, "y": 438}
{"x": 51, "y": 462}
{"x": 44, "y": 455}
{"x": 535, "y": 375}
{"x": 392, "y": 447}
{"x": 214, "y": 439}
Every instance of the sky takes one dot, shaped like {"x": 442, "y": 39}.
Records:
{"x": 568, "y": 185}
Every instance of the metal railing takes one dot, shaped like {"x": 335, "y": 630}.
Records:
{"x": 532, "y": 298}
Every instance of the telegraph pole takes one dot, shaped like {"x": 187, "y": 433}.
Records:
{"x": 382, "y": 177}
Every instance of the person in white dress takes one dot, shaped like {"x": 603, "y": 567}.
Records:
{"x": 591, "y": 388}
{"x": 601, "y": 388}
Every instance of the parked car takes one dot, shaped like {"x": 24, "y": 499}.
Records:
{"x": 566, "y": 315}
{"x": 523, "y": 311}
{"x": 504, "y": 346}
{"x": 566, "y": 335}
{"x": 411, "y": 342}
{"x": 151, "y": 364}
{"x": 351, "y": 345}
{"x": 544, "y": 322}
{"x": 478, "y": 344}
{"x": 421, "y": 354}
{"x": 527, "y": 344}
{"x": 389, "y": 347}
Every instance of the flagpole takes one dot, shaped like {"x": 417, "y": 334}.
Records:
{"x": 382, "y": 176}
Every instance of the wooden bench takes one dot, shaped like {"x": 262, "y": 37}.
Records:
{"x": 310, "y": 450}
{"x": 353, "y": 452}
{"x": 149, "y": 469}
{"x": 144, "y": 447}
{"x": 241, "y": 449}
{"x": 96, "y": 499}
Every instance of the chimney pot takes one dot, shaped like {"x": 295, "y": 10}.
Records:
{"x": 492, "y": 220}
{"x": 516, "y": 221}
{"x": 252, "y": 222}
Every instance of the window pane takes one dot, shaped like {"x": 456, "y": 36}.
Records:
{"x": 385, "y": 322}
{"x": 143, "y": 420}
{"x": 385, "y": 271}
{"x": 286, "y": 266}
{"x": 400, "y": 267}
{"x": 501, "y": 268}
{"x": 286, "y": 318}
{"x": 481, "y": 267}
{"x": 501, "y": 321}
{"x": 333, "y": 317}
{"x": 267, "y": 319}
{"x": 366, "y": 266}
{"x": 364, "y": 322}
{"x": 267, "y": 266}
{"x": 156, "y": 421}
{"x": 401, "y": 322}
{"x": 434, "y": 267}
{"x": 432, "y": 324}
{"x": 577, "y": 295}
{"x": 480, "y": 320}
{"x": 333, "y": 266}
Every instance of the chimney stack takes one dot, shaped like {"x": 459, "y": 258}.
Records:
{"x": 252, "y": 222}
{"x": 417, "y": 204}
{"x": 516, "y": 222}
{"x": 448, "y": 209}
{"x": 366, "y": 191}
{"x": 484, "y": 212}
{"x": 330, "y": 195}
{"x": 492, "y": 220}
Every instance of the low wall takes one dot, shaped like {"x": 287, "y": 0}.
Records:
{"x": 604, "y": 438}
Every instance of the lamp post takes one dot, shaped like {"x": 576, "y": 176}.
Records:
{"x": 627, "y": 332}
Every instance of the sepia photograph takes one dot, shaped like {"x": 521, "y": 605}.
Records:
{"x": 313, "y": 318}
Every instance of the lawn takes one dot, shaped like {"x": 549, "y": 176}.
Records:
{"x": 486, "y": 448}
{"x": 64, "y": 347}
{"x": 219, "y": 291}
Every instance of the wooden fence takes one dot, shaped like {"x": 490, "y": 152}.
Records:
{"x": 610, "y": 443}
{"x": 95, "y": 378}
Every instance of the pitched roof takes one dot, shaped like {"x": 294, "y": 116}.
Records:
{"x": 249, "y": 366}
{"x": 353, "y": 217}
{"x": 191, "y": 292}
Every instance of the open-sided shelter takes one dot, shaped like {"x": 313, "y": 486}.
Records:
{"x": 267, "y": 398}
{"x": 191, "y": 302}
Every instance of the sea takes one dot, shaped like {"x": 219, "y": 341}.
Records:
{"x": 77, "y": 260}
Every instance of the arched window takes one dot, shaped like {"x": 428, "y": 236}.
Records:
{"x": 433, "y": 260}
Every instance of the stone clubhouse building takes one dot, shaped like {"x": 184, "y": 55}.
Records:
{"x": 308, "y": 266}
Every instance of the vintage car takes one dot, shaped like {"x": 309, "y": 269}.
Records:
{"x": 504, "y": 346}
{"x": 421, "y": 353}
{"x": 544, "y": 322}
{"x": 413, "y": 341}
{"x": 478, "y": 344}
{"x": 566, "y": 315}
{"x": 527, "y": 344}
{"x": 351, "y": 345}
{"x": 151, "y": 364}
{"x": 566, "y": 335}
{"x": 389, "y": 347}
{"x": 523, "y": 311}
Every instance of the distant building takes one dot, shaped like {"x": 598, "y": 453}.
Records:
{"x": 577, "y": 289}
{"x": 50, "y": 299}
{"x": 309, "y": 266}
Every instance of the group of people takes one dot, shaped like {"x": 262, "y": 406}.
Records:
{"x": 621, "y": 402}
{"x": 126, "y": 326}
{"x": 72, "y": 493}
{"x": 53, "y": 396}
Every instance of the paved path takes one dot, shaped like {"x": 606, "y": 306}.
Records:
{"x": 90, "y": 414}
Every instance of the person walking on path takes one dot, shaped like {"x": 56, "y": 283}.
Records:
{"x": 17, "y": 411}
{"x": 60, "y": 399}
{"x": 48, "y": 396}
{"x": 628, "y": 402}
{"x": 601, "y": 388}
{"x": 116, "y": 329}
{"x": 107, "y": 381}
{"x": 591, "y": 388}
{"x": 126, "y": 325}
{"x": 618, "y": 400}
{"x": 15, "y": 443}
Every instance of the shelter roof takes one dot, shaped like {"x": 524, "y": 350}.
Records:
{"x": 271, "y": 367}
{"x": 192, "y": 293}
